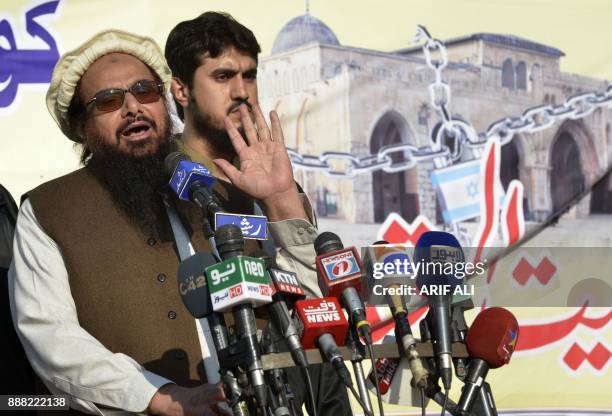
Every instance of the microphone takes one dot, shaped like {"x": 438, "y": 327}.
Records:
{"x": 339, "y": 275}
{"x": 323, "y": 325}
{"x": 192, "y": 283}
{"x": 191, "y": 181}
{"x": 396, "y": 256}
{"x": 276, "y": 378}
{"x": 193, "y": 289}
{"x": 490, "y": 343}
{"x": 436, "y": 250}
{"x": 284, "y": 285}
{"x": 458, "y": 332}
{"x": 239, "y": 284}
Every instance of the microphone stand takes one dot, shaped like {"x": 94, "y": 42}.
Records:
{"x": 209, "y": 234}
{"x": 483, "y": 403}
{"x": 357, "y": 355}
{"x": 433, "y": 389}
{"x": 276, "y": 380}
{"x": 458, "y": 333}
{"x": 214, "y": 321}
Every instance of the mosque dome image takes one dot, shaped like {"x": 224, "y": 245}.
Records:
{"x": 302, "y": 30}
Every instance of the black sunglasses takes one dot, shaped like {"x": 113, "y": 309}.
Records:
{"x": 145, "y": 91}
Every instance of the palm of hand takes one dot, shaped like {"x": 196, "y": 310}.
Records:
{"x": 266, "y": 170}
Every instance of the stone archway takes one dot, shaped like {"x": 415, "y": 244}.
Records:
{"x": 393, "y": 192}
{"x": 510, "y": 164}
{"x": 567, "y": 175}
{"x": 601, "y": 196}
{"x": 511, "y": 168}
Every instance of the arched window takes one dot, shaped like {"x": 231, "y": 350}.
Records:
{"x": 508, "y": 74}
{"x": 521, "y": 76}
{"x": 536, "y": 73}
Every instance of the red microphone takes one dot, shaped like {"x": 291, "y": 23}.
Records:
{"x": 490, "y": 342}
{"x": 339, "y": 274}
{"x": 322, "y": 325}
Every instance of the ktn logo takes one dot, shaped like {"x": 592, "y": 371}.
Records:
{"x": 21, "y": 66}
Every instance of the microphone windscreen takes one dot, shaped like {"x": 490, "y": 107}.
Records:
{"x": 326, "y": 242}
{"x": 172, "y": 160}
{"x": 436, "y": 250}
{"x": 265, "y": 256}
{"x": 192, "y": 283}
{"x": 316, "y": 317}
{"x": 492, "y": 336}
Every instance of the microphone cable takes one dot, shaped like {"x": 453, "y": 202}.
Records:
{"x": 445, "y": 403}
{"x": 359, "y": 401}
{"x": 376, "y": 384}
{"x": 310, "y": 390}
{"x": 422, "y": 391}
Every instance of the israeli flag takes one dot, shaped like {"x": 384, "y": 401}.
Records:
{"x": 458, "y": 190}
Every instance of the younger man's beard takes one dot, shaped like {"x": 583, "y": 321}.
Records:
{"x": 135, "y": 183}
{"x": 218, "y": 138}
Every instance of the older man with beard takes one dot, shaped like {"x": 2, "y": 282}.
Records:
{"x": 213, "y": 59}
{"x": 91, "y": 285}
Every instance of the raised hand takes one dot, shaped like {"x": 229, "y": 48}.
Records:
{"x": 265, "y": 169}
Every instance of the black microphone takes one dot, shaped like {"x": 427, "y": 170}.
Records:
{"x": 276, "y": 378}
{"x": 192, "y": 283}
{"x": 459, "y": 330}
{"x": 239, "y": 283}
{"x": 435, "y": 250}
{"x": 284, "y": 284}
{"x": 194, "y": 292}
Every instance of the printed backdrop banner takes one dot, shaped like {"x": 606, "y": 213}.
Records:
{"x": 347, "y": 79}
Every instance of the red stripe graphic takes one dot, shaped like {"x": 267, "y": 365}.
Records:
{"x": 512, "y": 220}
{"x": 536, "y": 336}
{"x": 488, "y": 216}
{"x": 512, "y": 215}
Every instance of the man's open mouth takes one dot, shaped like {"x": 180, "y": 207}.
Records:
{"x": 137, "y": 130}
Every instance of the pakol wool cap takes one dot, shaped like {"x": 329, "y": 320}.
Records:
{"x": 72, "y": 65}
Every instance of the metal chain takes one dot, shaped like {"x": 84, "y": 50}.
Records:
{"x": 439, "y": 91}
{"x": 531, "y": 121}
